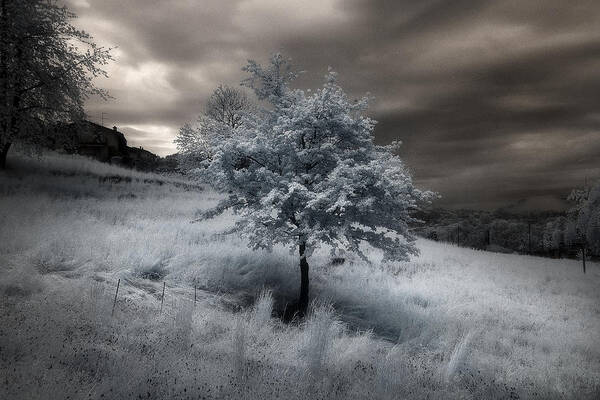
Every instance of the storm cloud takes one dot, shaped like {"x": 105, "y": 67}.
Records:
{"x": 494, "y": 101}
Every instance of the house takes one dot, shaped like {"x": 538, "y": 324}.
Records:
{"x": 92, "y": 140}
{"x": 101, "y": 143}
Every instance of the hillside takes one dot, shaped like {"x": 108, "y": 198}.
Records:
{"x": 451, "y": 323}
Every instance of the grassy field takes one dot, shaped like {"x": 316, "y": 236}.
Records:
{"x": 451, "y": 323}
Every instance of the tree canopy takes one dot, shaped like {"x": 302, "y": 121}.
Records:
{"x": 47, "y": 68}
{"x": 585, "y": 217}
{"x": 225, "y": 110}
{"x": 227, "y": 106}
{"x": 314, "y": 174}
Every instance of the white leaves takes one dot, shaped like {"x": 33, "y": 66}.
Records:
{"x": 270, "y": 82}
{"x": 196, "y": 143}
{"x": 312, "y": 170}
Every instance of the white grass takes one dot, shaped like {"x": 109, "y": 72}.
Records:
{"x": 451, "y": 323}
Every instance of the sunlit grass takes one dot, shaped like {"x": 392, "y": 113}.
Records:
{"x": 451, "y": 323}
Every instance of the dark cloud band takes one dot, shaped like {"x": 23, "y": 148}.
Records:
{"x": 495, "y": 101}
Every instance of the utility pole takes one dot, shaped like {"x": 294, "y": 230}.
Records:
{"x": 458, "y": 235}
{"x": 529, "y": 236}
{"x": 584, "y": 247}
{"x": 115, "y": 300}
{"x": 102, "y": 118}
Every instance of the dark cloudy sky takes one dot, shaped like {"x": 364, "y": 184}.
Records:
{"x": 496, "y": 101}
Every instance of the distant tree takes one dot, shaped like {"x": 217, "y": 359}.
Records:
{"x": 501, "y": 230}
{"x": 553, "y": 236}
{"x": 314, "y": 175}
{"x": 585, "y": 219}
{"x": 227, "y": 106}
{"x": 46, "y": 70}
{"x": 510, "y": 234}
{"x": 224, "y": 112}
{"x": 194, "y": 141}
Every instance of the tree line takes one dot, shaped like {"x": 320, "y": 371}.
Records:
{"x": 574, "y": 233}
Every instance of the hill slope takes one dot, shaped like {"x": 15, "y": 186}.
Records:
{"x": 451, "y": 323}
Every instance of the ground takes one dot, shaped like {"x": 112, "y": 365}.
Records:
{"x": 450, "y": 323}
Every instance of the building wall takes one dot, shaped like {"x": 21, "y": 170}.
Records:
{"x": 105, "y": 145}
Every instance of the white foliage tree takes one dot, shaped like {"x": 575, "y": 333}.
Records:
{"x": 313, "y": 174}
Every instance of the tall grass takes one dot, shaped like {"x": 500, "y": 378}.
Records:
{"x": 451, "y": 323}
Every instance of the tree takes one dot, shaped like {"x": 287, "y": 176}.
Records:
{"x": 224, "y": 111}
{"x": 194, "y": 141}
{"x": 314, "y": 174}
{"x": 553, "y": 235}
{"x": 227, "y": 106}
{"x": 585, "y": 220}
{"x": 46, "y": 70}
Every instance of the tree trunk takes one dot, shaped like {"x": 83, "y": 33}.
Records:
{"x": 3, "y": 153}
{"x": 303, "y": 299}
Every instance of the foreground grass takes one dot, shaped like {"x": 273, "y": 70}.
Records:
{"x": 452, "y": 323}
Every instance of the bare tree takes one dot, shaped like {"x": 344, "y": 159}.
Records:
{"x": 46, "y": 70}
{"x": 224, "y": 112}
{"x": 227, "y": 106}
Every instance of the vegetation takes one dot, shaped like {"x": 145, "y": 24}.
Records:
{"x": 449, "y": 323}
{"x": 305, "y": 172}
{"x": 225, "y": 110}
{"x": 108, "y": 290}
{"x": 228, "y": 106}
{"x": 46, "y": 70}
{"x": 550, "y": 234}
{"x": 584, "y": 228}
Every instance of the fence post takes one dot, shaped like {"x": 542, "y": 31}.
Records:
{"x": 115, "y": 300}
{"x": 162, "y": 299}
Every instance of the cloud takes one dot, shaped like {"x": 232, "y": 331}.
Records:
{"x": 495, "y": 101}
{"x": 155, "y": 137}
